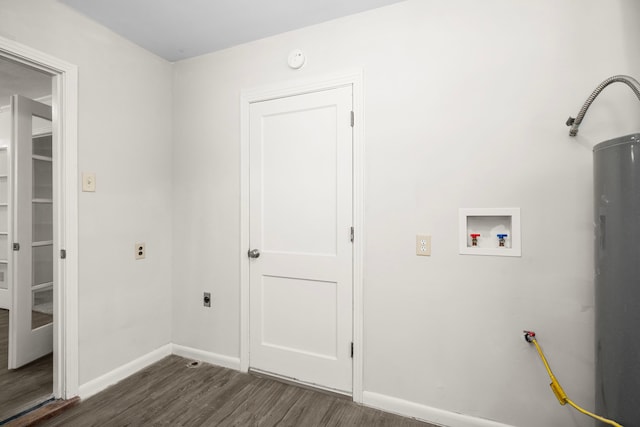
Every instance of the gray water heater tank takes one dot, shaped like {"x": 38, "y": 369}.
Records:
{"x": 617, "y": 279}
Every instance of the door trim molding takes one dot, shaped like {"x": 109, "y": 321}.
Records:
{"x": 65, "y": 140}
{"x": 281, "y": 90}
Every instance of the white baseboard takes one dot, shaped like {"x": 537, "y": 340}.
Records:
{"x": 94, "y": 386}
{"x": 425, "y": 413}
{"x": 97, "y": 385}
{"x": 205, "y": 356}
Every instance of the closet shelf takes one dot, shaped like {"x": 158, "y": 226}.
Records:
{"x": 42, "y": 200}
{"x": 43, "y": 158}
{"x": 42, "y": 243}
{"x": 41, "y": 286}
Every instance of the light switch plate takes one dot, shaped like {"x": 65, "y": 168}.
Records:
{"x": 89, "y": 181}
{"x": 423, "y": 245}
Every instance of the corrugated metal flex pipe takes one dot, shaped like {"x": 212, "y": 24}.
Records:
{"x": 629, "y": 81}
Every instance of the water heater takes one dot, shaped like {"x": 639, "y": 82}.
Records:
{"x": 617, "y": 278}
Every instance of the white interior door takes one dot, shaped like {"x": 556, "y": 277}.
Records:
{"x": 300, "y": 225}
{"x": 31, "y": 316}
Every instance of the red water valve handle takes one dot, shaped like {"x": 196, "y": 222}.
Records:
{"x": 529, "y": 336}
{"x": 474, "y": 235}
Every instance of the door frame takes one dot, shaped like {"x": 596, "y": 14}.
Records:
{"x": 65, "y": 177}
{"x": 291, "y": 88}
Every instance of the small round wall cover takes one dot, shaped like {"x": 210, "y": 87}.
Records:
{"x": 296, "y": 59}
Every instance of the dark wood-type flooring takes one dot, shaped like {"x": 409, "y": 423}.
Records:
{"x": 22, "y": 387}
{"x": 168, "y": 393}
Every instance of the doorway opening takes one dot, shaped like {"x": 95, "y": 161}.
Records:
{"x": 38, "y": 228}
{"x": 26, "y": 375}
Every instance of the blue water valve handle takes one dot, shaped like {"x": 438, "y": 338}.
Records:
{"x": 502, "y": 236}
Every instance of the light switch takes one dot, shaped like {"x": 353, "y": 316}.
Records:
{"x": 423, "y": 245}
{"x": 88, "y": 181}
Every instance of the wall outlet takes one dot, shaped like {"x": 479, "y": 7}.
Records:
{"x": 423, "y": 245}
{"x": 141, "y": 251}
{"x": 206, "y": 299}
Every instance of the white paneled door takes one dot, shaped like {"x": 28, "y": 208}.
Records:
{"x": 300, "y": 237}
{"x": 31, "y": 314}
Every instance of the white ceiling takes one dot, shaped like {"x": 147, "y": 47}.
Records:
{"x": 179, "y": 29}
{"x": 18, "y": 79}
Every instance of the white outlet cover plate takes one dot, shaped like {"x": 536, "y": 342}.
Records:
{"x": 140, "y": 251}
{"x": 423, "y": 245}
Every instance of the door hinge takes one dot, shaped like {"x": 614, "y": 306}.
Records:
{"x": 353, "y": 118}
{"x": 351, "y": 235}
{"x": 63, "y": 253}
{"x": 16, "y": 246}
{"x": 352, "y": 349}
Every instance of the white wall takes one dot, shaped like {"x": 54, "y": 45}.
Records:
{"x": 125, "y": 138}
{"x": 630, "y": 10}
{"x": 465, "y": 107}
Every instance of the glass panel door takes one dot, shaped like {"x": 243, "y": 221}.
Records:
{"x": 4, "y": 219}
{"x": 32, "y": 210}
{"x": 42, "y": 226}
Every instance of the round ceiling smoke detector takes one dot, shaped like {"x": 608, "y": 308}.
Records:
{"x": 296, "y": 59}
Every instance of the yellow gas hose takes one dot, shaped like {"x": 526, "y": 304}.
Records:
{"x": 555, "y": 385}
